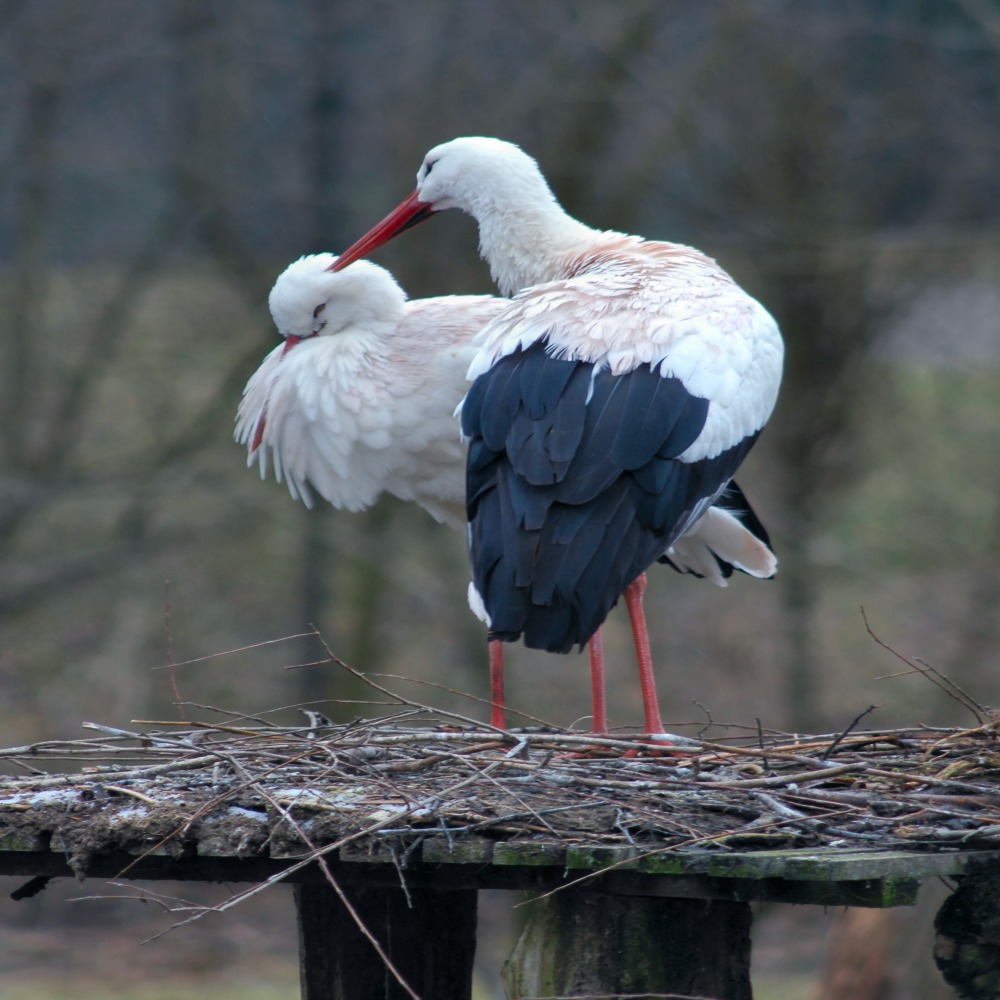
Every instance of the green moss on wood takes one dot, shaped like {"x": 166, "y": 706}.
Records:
{"x": 463, "y": 851}
{"x": 528, "y": 853}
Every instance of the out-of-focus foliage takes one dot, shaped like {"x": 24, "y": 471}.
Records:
{"x": 160, "y": 163}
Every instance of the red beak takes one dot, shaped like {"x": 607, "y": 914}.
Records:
{"x": 290, "y": 342}
{"x": 406, "y": 215}
{"x": 258, "y": 434}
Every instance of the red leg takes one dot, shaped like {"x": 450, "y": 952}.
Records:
{"x": 498, "y": 716}
{"x": 600, "y": 720}
{"x": 633, "y": 600}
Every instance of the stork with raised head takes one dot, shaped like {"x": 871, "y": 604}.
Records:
{"x": 612, "y": 401}
{"x": 360, "y": 397}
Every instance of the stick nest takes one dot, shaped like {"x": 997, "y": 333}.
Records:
{"x": 268, "y": 791}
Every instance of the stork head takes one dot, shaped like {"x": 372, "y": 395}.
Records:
{"x": 479, "y": 175}
{"x": 310, "y": 300}
{"x": 475, "y": 172}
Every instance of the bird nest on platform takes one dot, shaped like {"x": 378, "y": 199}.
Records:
{"x": 248, "y": 789}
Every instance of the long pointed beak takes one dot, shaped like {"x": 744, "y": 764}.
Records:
{"x": 403, "y": 217}
{"x": 290, "y": 342}
{"x": 258, "y": 435}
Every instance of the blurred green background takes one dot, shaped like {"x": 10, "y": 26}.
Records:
{"x": 161, "y": 162}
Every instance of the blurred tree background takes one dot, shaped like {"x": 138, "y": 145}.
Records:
{"x": 160, "y": 163}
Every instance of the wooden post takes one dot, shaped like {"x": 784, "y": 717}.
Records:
{"x": 967, "y": 944}
{"x": 585, "y": 942}
{"x": 432, "y": 944}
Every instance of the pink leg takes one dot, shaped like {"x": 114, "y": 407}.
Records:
{"x": 600, "y": 720}
{"x": 498, "y": 715}
{"x": 633, "y": 600}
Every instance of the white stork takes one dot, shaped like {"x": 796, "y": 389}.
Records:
{"x": 612, "y": 401}
{"x": 360, "y": 398}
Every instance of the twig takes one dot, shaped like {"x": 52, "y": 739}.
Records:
{"x": 229, "y": 652}
{"x": 132, "y": 793}
{"x": 829, "y": 750}
{"x": 465, "y": 694}
{"x": 945, "y": 684}
{"x": 169, "y": 636}
{"x": 760, "y": 743}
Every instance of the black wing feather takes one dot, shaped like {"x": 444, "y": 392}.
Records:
{"x": 575, "y": 487}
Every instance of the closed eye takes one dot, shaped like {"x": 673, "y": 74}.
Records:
{"x": 319, "y": 309}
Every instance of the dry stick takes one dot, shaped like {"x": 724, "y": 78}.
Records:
{"x": 233, "y": 715}
{"x": 169, "y": 904}
{"x": 363, "y": 927}
{"x": 949, "y": 687}
{"x": 312, "y": 663}
{"x": 169, "y": 635}
{"x": 228, "y": 652}
{"x": 465, "y": 694}
{"x": 132, "y": 793}
{"x": 760, "y": 743}
{"x": 829, "y": 750}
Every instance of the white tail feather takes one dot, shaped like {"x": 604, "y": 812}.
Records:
{"x": 718, "y": 533}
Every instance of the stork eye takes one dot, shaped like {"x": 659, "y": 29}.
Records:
{"x": 319, "y": 309}
{"x": 428, "y": 167}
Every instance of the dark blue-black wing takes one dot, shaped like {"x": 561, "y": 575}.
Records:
{"x": 574, "y": 488}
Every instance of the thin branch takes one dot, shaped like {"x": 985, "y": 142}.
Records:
{"x": 939, "y": 680}
{"x": 238, "y": 649}
{"x": 829, "y": 750}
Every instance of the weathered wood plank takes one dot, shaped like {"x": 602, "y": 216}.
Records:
{"x": 528, "y": 852}
{"x": 880, "y": 893}
{"x": 819, "y": 877}
{"x": 428, "y": 936}
{"x": 827, "y": 865}
{"x": 457, "y": 851}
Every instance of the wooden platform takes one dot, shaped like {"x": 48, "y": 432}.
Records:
{"x": 388, "y": 832}
{"x": 823, "y": 878}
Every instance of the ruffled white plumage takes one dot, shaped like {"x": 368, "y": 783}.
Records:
{"x": 364, "y": 405}
{"x": 629, "y": 302}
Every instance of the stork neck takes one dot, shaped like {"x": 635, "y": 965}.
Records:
{"x": 526, "y": 245}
